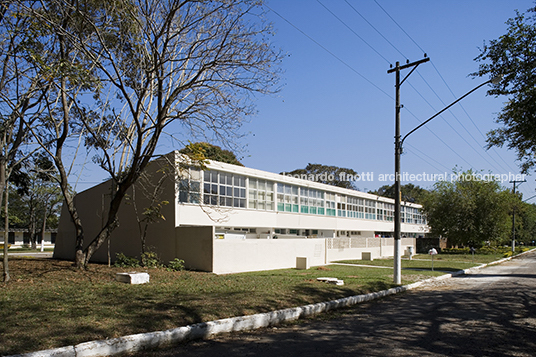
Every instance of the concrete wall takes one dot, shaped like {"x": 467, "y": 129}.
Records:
{"x": 232, "y": 256}
{"x": 92, "y": 206}
{"x": 346, "y": 248}
{"x": 195, "y": 246}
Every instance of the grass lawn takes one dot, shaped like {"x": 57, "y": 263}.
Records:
{"x": 443, "y": 262}
{"x": 48, "y": 303}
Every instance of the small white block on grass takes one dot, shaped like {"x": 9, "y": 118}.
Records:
{"x": 132, "y": 278}
{"x": 334, "y": 281}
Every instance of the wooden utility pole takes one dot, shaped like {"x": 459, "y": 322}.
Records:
{"x": 398, "y": 151}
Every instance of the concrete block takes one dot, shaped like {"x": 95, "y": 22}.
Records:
{"x": 366, "y": 256}
{"x": 302, "y": 263}
{"x": 334, "y": 281}
{"x": 132, "y": 278}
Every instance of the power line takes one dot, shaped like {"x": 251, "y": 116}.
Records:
{"x": 355, "y": 33}
{"x": 400, "y": 27}
{"x": 368, "y": 22}
{"x": 385, "y": 38}
{"x": 429, "y": 157}
{"x": 331, "y": 53}
{"x": 446, "y": 84}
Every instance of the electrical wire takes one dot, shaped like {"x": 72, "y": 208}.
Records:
{"x": 331, "y": 53}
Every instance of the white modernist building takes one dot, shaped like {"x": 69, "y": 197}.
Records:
{"x": 226, "y": 218}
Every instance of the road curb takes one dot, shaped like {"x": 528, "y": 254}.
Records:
{"x": 160, "y": 339}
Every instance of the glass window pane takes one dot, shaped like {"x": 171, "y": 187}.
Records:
{"x": 206, "y": 188}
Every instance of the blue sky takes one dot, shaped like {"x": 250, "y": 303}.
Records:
{"x": 336, "y": 104}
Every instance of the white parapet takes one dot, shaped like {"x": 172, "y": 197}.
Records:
{"x": 132, "y": 278}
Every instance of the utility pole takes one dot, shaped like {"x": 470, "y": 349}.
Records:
{"x": 514, "y": 218}
{"x": 398, "y": 151}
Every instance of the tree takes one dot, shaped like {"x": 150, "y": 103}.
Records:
{"x": 35, "y": 197}
{"x": 513, "y": 56}
{"x": 329, "y": 175}
{"x": 21, "y": 92}
{"x": 468, "y": 211}
{"x": 210, "y": 152}
{"x": 410, "y": 192}
{"x": 147, "y": 65}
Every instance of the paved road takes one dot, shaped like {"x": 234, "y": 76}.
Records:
{"x": 489, "y": 313}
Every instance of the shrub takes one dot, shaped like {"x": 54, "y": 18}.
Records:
{"x": 150, "y": 260}
{"x": 175, "y": 265}
{"x": 122, "y": 261}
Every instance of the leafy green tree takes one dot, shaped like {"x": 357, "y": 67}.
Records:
{"x": 513, "y": 56}
{"x": 468, "y": 211}
{"x": 34, "y": 199}
{"x": 202, "y": 150}
{"x": 526, "y": 223}
{"x": 329, "y": 175}
{"x": 410, "y": 192}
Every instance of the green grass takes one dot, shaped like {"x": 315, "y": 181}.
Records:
{"x": 443, "y": 262}
{"x": 50, "y": 304}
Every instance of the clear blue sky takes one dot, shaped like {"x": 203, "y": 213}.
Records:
{"x": 336, "y": 105}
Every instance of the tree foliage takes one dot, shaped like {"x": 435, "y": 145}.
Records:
{"x": 34, "y": 201}
{"x": 513, "y": 56}
{"x": 329, "y": 175}
{"x": 201, "y": 151}
{"x": 410, "y": 192}
{"x": 468, "y": 211}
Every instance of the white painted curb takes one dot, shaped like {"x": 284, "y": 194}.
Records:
{"x": 159, "y": 339}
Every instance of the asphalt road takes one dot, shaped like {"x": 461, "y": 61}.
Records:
{"x": 489, "y": 313}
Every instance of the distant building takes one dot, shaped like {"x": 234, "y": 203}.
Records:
{"x": 227, "y": 218}
{"x": 20, "y": 237}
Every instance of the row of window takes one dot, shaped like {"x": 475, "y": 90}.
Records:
{"x": 229, "y": 190}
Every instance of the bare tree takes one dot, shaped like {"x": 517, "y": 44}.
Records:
{"x": 150, "y": 65}
{"x": 21, "y": 93}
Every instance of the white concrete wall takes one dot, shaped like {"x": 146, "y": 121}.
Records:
{"x": 233, "y": 256}
{"x": 351, "y": 248}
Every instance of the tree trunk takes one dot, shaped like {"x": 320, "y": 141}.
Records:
{"x": 6, "y": 237}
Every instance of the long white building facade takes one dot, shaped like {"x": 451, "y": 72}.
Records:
{"x": 226, "y": 218}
